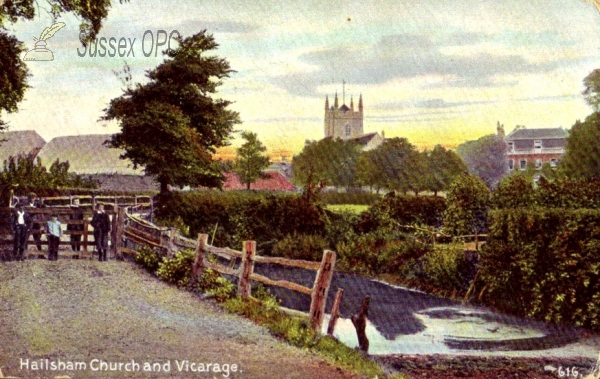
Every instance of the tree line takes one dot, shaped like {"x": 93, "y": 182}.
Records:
{"x": 396, "y": 164}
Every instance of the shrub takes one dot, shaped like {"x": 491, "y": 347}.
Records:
{"x": 447, "y": 268}
{"x": 302, "y": 246}
{"x": 393, "y": 210}
{"x": 468, "y": 204}
{"x": 544, "y": 263}
{"x": 147, "y": 258}
{"x": 177, "y": 270}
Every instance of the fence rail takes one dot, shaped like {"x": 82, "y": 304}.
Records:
{"x": 136, "y": 232}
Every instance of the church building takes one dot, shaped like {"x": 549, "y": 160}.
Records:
{"x": 346, "y": 123}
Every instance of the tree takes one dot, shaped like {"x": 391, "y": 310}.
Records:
{"x": 486, "y": 158}
{"x": 514, "y": 191}
{"x": 582, "y": 156}
{"x": 394, "y": 165}
{"x": 443, "y": 166}
{"x": 174, "y": 119}
{"x": 330, "y": 161}
{"x": 468, "y": 203}
{"x": 14, "y": 72}
{"x": 250, "y": 162}
{"x": 592, "y": 89}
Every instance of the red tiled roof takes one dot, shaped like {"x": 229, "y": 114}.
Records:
{"x": 274, "y": 182}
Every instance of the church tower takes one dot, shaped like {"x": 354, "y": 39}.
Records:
{"x": 343, "y": 122}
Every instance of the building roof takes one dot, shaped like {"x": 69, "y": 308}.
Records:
{"x": 19, "y": 143}
{"x": 275, "y": 182}
{"x": 344, "y": 108}
{"x": 542, "y": 133}
{"x": 364, "y": 139}
{"x": 87, "y": 154}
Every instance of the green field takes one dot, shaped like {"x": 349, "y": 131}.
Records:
{"x": 354, "y": 208}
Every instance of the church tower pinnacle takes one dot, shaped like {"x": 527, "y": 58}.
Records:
{"x": 360, "y": 104}
{"x": 336, "y": 105}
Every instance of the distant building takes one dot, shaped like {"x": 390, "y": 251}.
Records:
{"x": 275, "y": 181}
{"x": 346, "y": 123}
{"x": 24, "y": 142}
{"x": 526, "y": 147}
{"x": 89, "y": 157}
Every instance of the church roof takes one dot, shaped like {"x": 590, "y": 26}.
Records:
{"x": 365, "y": 138}
{"x": 344, "y": 108}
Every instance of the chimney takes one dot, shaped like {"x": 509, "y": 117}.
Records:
{"x": 500, "y": 129}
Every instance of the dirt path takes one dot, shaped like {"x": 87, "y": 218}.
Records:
{"x": 79, "y": 314}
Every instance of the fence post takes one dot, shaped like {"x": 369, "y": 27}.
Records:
{"x": 335, "y": 311}
{"x": 119, "y": 234}
{"x": 199, "y": 260}
{"x": 320, "y": 289}
{"x": 249, "y": 249}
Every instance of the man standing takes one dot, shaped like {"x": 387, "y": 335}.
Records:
{"x": 101, "y": 225}
{"x": 21, "y": 225}
{"x": 76, "y": 225}
{"x": 54, "y": 233}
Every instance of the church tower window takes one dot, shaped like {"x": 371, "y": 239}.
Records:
{"x": 348, "y": 130}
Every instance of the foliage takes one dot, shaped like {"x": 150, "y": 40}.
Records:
{"x": 544, "y": 263}
{"x": 392, "y": 211}
{"x": 592, "y": 89}
{"x": 177, "y": 270}
{"x": 14, "y": 71}
{"x": 568, "y": 193}
{"x": 582, "y": 155}
{"x": 301, "y": 246}
{"x": 514, "y": 191}
{"x": 443, "y": 166}
{"x": 234, "y": 217}
{"x": 27, "y": 174}
{"x": 446, "y": 267}
{"x": 148, "y": 259}
{"x": 173, "y": 117}
{"x": 332, "y": 161}
{"x": 393, "y": 165}
{"x": 468, "y": 203}
{"x": 485, "y": 158}
{"x": 250, "y": 162}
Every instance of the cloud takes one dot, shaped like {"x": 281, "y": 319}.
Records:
{"x": 404, "y": 56}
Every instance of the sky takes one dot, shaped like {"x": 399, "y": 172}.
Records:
{"x": 432, "y": 71}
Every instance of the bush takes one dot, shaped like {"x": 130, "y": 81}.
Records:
{"x": 301, "y": 246}
{"x": 468, "y": 204}
{"x": 177, "y": 270}
{"x": 544, "y": 263}
{"x": 393, "y": 210}
{"x": 148, "y": 259}
{"x": 234, "y": 217}
{"x": 447, "y": 268}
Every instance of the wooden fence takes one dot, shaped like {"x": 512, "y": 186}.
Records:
{"x": 134, "y": 232}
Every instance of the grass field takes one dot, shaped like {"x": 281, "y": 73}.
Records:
{"x": 354, "y": 208}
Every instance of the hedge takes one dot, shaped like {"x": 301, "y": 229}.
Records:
{"x": 544, "y": 263}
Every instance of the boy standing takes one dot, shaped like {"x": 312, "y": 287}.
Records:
{"x": 21, "y": 224}
{"x": 54, "y": 233}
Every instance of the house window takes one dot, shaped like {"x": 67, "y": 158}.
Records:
{"x": 538, "y": 164}
{"x": 511, "y": 147}
{"x": 348, "y": 130}
{"x": 553, "y": 162}
{"x": 523, "y": 164}
{"x": 537, "y": 146}
{"x": 511, "y": 164}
